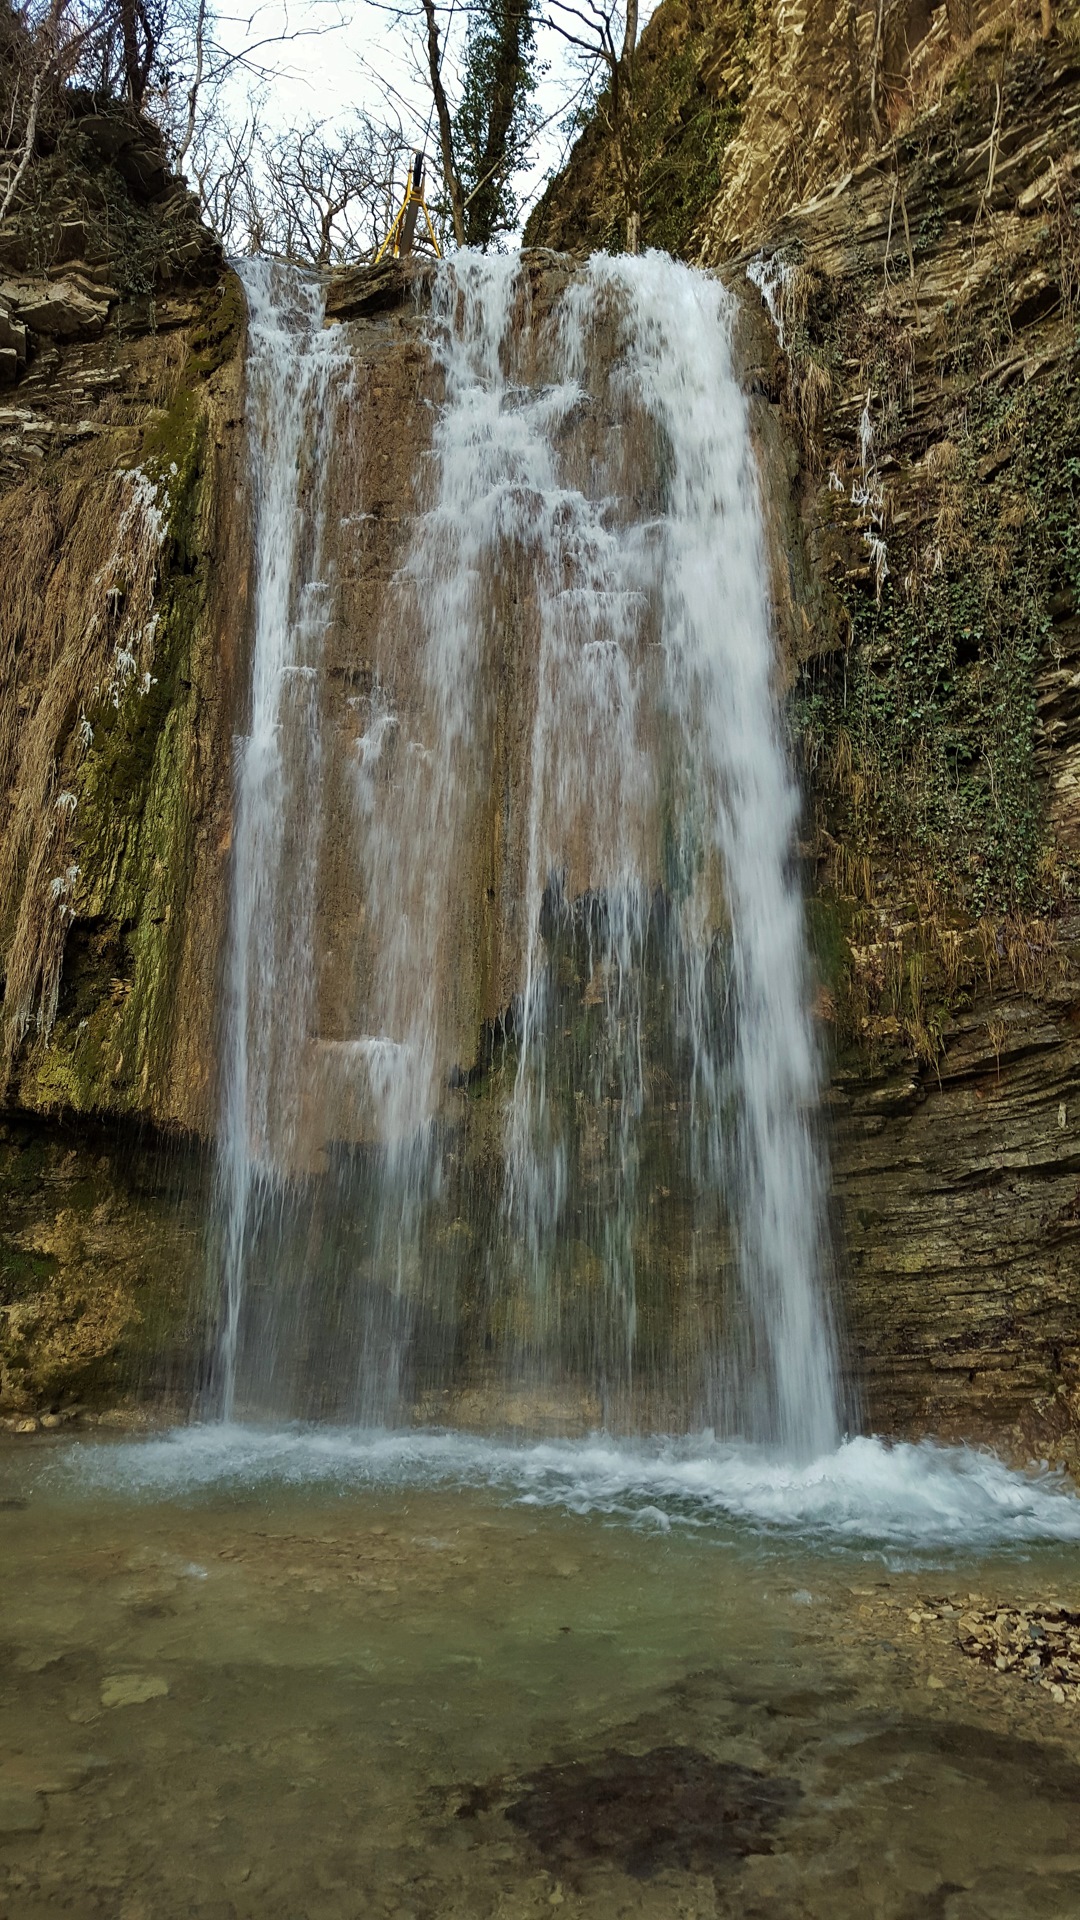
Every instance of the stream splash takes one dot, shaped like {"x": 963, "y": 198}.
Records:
{"x": 866, "y": 1494}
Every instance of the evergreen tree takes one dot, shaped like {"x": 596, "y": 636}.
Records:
{"x": 495, "y": 119}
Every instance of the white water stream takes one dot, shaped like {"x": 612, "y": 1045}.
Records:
{"x": 598, "y": 459}
{"x": 293, "y": 364}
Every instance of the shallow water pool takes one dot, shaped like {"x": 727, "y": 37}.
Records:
{"x": 338, "y": 1676}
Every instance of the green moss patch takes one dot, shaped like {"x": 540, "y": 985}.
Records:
{"x": 132, "y": 828}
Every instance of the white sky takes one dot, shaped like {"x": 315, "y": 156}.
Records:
{"x": 371, "y": 61}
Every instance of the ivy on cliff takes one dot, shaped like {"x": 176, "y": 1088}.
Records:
{"x": 934, "y": 698}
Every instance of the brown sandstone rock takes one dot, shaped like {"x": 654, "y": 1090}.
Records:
{"x": 59, "y": 308}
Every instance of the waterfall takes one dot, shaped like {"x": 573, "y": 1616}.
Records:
{"x": 291, "y": 369}
{"x": 520, "y": 1080}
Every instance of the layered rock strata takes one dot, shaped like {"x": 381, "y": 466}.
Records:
{"x": 929, "y": 369}
{"x": 911, "y": 220}
{"x": 121, "y": 626}
{"x": 917, "y": 253}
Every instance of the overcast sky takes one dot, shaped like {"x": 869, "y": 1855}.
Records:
{"x": 373, "y": 62}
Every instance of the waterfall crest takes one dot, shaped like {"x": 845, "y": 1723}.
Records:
{"x": 520, "y": 1079}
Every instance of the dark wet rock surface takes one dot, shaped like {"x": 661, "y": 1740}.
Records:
{"x": 670, "y": 1807}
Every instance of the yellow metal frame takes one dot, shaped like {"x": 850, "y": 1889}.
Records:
{"x": 414, "y": 197}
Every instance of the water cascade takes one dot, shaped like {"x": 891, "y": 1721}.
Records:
{"x": 519, "y": 1091}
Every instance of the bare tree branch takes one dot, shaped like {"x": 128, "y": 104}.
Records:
{"x": 29, "y": 136}
{"x": 196, "y": 83}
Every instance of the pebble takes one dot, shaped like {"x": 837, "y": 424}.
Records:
{"x": 132, "y": 1689}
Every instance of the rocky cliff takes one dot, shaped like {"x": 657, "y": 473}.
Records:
{"x": 120, "y": 627}
{"x": 901, "y": 186}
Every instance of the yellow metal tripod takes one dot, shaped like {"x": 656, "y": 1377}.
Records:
{"x": 399, "y": 240}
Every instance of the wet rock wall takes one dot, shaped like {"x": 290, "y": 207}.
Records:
{"x": 923, "y": 399}
{"x": 915, "y": 244}
{"x": 121, "y": 631}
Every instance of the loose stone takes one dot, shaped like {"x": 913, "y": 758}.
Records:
{"x": 132, "y": 1689}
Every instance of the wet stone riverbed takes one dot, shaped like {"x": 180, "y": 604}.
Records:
{"x": 331, "y": 1700}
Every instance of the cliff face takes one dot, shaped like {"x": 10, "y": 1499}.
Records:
{"x": 120, "y": 622}
{"x": 936, "y": 395}
{"x": 742, "y": 113}
{"x": 916, "y": 244}
{"x": 115, "y": 691}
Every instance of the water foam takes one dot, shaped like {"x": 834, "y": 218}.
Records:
{"x": 864, "y": 1493}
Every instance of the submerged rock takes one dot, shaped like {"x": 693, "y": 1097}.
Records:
{"x": 132, "y": 1689}
{"x": 671, "y": 1808}
{"x": 1040, "y": 1642}
{"x": 20, "y": 1811}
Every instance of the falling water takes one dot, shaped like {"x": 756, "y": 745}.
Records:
{"x": 292, "y": 366}
{"x": 556, "y": 1141}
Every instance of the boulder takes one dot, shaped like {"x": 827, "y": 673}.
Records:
{"x": 70, "y": 238}
{"x": 124, "y": 140}
{"x": 196, "y": 259}
{"x": 14, "y": 250}
{"x": 142, "y": 168}
{"x": 357, "y": 292}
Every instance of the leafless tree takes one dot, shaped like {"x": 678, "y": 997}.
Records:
{"x": 220, "y": 165}
{"x": 45, "y": 44}
{"x": 451, "y": 175}
{"x": 325, "y": 194}
{"x": 423, "y": 27}
{"x": 195, "y": 87}
{"x": 319, "y": 193}
{"x": 30, "y": 62}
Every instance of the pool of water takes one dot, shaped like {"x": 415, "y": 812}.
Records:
{"x": 335, "y": 1676}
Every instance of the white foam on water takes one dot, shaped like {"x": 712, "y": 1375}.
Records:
{"x": 865, "y": 1492}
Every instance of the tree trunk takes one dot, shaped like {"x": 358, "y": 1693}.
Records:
{"x": 193, "y": 91}
{"x": 628, "y": 132}
{"x": 129, "y": 33}
{"x": 29, "y": 137}
{"x": 442, "y": 112}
